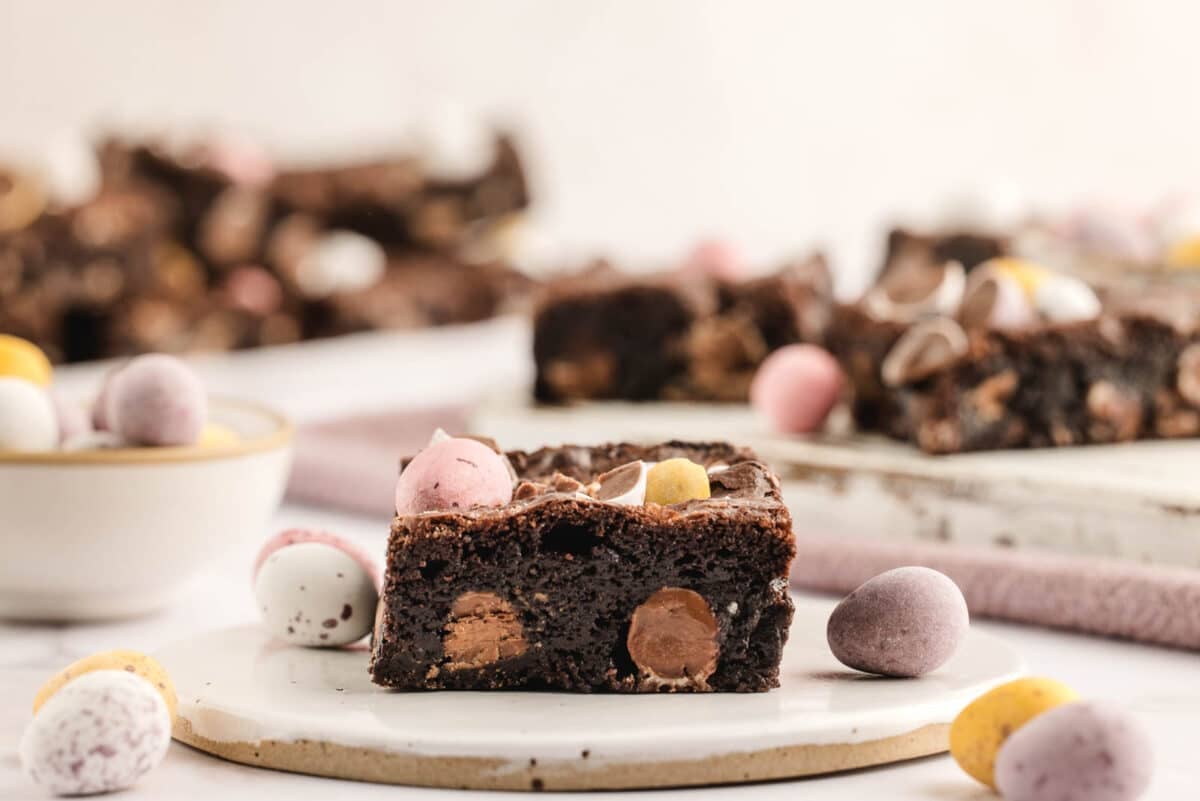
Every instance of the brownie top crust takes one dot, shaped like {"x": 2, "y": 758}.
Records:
{"x": 559, "y": 479}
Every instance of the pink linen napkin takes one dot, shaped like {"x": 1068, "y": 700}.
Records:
{"x": 351, "y": 463}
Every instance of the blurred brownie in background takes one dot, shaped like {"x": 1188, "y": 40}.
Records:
{"x": 675, "y": 336}
{"x": 211, "y": 246}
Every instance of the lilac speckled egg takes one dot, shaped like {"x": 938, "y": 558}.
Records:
{"x": 315, "y": 593}
{"x": 796, "y": 387}
{"x": 157, "y": 400}
{"x": 72, "y": 419}
{"x": 1085, "y": 751}
{"x": 905, "y": 622}
{"x": 101, "y": 732}
{"x": 456, "y": 473}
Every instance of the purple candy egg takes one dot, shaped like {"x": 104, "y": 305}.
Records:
{"x": 100, "y": 405}
{"x": 72, "y": 419}
{"x": 157, "y": 400}
{"x": 1085, "y": 751}
{"x": 905, "y": 622}
{"x": 456, "y": 473}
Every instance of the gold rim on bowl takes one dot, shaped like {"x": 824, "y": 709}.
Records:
{"x": 277, "y": 438}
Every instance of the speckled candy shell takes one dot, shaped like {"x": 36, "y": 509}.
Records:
{"x": 101, "y": 732}
{"x": 455, "y": 473}
{"x": 1085, "y": 751}
{"x": 315, "y": 594}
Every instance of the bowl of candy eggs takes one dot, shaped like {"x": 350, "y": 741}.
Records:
{"x": 108, "y": 508}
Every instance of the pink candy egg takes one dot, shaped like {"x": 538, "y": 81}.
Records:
{"x": 715, "y": 258}
{"x": 295, "y": 536}
{"x": 157, "y": 400}
{"x": 100, "y": 420}
{"x": 456, "y": 473}
{"x": 796, "y": 387}
{"x": 73, "y": 421}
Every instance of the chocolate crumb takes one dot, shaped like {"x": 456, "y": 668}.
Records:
{"x": 347, "y": 611}
{"x": 329, "y": 623}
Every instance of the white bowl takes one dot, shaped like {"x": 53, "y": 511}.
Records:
{"x": 113, "y": 533}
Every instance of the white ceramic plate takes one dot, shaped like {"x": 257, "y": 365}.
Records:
{"x": 248, "y": 698}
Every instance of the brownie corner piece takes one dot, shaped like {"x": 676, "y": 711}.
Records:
{"x": 558, "y": 590}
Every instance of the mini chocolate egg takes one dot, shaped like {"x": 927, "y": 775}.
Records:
{"x": 715, "y": 258}
{"x": 1064, "y": 298}
{"x": 905, "y": 622}
{"x": 100, "y": 404}
{"x": 133, "y": 662}
{"x": 340, "y": 261}
{"x": 28, "y": 420}
{"x": 454, "y": 143}
{"x": 215, "y": 435}
{"x": 995, "y": 299}
{"x": 624, "y": 485}
{"x": 101, "y": 732}
{"x": 676, "y": 480}
{"x": 315, "y": 589}
{"x": 72, "y": 418}
{"x": 454, "y": 473}
{"x": 157, "y": 400}
{"x": 1083, "y": 751}
{"x": 796, "y": 387}
{"x": 984, "y": 724}
{"x": 1184, "y": 254}
{"x": 93, "y": 441}
{"x": 20, "y": 358}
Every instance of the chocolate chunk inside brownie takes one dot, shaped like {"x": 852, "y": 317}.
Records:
{"x": 561, "y": 589}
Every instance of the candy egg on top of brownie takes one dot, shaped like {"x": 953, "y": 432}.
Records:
{"x": 663, "y": 555}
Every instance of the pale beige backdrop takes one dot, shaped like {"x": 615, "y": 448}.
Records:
{"x": 649, "y": 123}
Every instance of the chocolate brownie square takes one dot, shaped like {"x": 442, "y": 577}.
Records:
{"x": 605, "y": 335}
{"x": 562, "y": 590}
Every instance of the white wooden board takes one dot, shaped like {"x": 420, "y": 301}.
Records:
{"x": 1138, "y": 501}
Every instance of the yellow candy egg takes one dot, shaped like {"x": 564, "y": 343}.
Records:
{"x": 676, "y": 481}
{"x": 1185, "y": 254}
{"x": 982, "y": 727}
{"x": 130, "y": 661}
{"x": 1029, "y": 275}
{"x": 20, "y": 358}
{"x": 216, "y": 435}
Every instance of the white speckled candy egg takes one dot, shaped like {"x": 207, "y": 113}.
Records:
{"x": 312, "y": 593}
{"x": 101, "y": 732}
{"x": 28, "y": 420}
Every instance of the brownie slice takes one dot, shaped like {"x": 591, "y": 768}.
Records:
{"x": 605, "y": 335}
{"x": 558, "y": 590}
{"x": 1123, "y": 376}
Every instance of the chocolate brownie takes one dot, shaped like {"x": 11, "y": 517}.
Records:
{"x": 605, "y": 335}
{"x": 561, "y": 590}
{"x": 177, "y": 254}
{"x": 1122, "y": 376}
